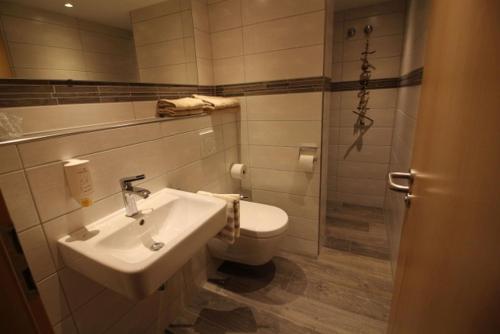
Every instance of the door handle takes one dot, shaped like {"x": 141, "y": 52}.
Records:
{"x": 406, "y": 189}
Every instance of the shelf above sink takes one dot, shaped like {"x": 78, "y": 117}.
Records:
{"x": 136, "y": 255}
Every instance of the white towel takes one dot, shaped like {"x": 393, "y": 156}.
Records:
{"x": 231, "y": 230}
{"x": 218, "y": 102}
{"x": 180, "y": 107}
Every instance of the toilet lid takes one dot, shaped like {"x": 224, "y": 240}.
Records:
{"x": 261, "y": 221}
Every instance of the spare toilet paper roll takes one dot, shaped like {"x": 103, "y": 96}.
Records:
{"x": 238, "y": 171}
{"x": 306, "y": 162}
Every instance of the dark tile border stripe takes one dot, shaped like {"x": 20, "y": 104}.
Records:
{"x": 19, "y": 92}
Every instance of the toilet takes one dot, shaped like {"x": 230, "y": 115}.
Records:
{"x": 262, "y": 228}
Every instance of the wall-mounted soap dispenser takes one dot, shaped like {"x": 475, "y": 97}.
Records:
{"x": 79, "y": 181}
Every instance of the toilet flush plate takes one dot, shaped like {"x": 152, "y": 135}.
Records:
{"x": 207, "y": 142}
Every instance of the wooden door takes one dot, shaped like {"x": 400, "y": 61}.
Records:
{"x": 448, "y": 274}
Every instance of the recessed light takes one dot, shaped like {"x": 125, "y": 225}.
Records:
{"x": 69, "y": 5}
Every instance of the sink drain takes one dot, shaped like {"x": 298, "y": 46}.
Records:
{"x": 157, "y": 246}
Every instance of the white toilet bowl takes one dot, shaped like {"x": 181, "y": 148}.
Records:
{"x": 262, "y": 230}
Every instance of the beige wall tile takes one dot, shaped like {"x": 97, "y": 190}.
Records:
{"x": 141, "y": 317}
{"x": 257, "y": 11}
{"x": 189, "y": 124}
{"x": 175, "y": 74}
{"x": 63, "y": 148}
{"x": 203, "y": 45}
{"x": 284, "y": 133}
{"x": 368, "y": 187}
{"x": 160, "y": 9}
{"x": 285, "y": 64}
{"x": 297, "y": 206}
{"x": 299, "y": 106}
{"x": 18, "y": 200}
{"x": 299, "y": 245}
{"x": 225, "y": 15}
{"x": 10, "y": 8}
{"x": 229, "y": 70}
{"x": 159, "y": 29}
{"x": 78, "y": 288}
{"x": 205, "y": 71}
{"x": 291, "y": 32}
{"x": 200, "y": 15}
{"x": 303, "y": 228}
{"x": 376, "y": 154}
{"x": 231, "y": 135}
{"x": 160, "y": 54}
{"x": 144, "y": 109}
{"x": 383, "y": 25}
{"x": 181, "y": 150}
{"x": 385, "y": 68}
{"x": 40, "y": 33}
{"x": 52, "y": 295}
{"x": 374, "y": 136}
{"x": 195, "y": 176}
{"x": 381, "y": 117}
{"x": 298, "y": 183}
{"x": 360, "y": 199}
{"x": 386, "y": 46}
{"x": 10, "y": 159}
{"x": 37, "y": 56}
{"x": 377, "y": 9}
{"x": 37, "y": 252}
{"x": 67, "y": 326}
{"x": 45, "y": 118}
{"x": 379, "y": 98}
{"x": 94, "y": 317}
{"x": 276, "y": 157}
{"x": 96, "y": 42}
{"x": 350, "y": 169}
{"x": 227, "y": 43}
{"x": 187, "y": 23}
{"x": 36, "y": 73}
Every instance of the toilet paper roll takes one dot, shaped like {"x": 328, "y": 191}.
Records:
{"x": 238, "y": 171}
{"x": 306, "y": 162}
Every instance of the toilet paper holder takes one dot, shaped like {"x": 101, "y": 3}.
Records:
{"x": 309, "y": 149}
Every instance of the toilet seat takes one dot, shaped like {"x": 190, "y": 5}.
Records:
{"x": 261, "y": 220}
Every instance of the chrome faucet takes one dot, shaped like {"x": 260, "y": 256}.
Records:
{"x": 128, "y": 192}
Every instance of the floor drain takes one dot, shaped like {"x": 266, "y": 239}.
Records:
{"x": 157, "y": 246}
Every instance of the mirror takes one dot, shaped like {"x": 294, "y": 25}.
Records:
{"x": 113, "y": 40}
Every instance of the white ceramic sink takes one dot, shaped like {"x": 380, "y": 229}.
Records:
{"x": 117, "y": 251}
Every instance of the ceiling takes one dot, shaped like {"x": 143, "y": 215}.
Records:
{"x": 114, "y": 13}
{"x": 348, "y": 4}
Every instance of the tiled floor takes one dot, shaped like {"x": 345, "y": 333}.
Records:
{"x": 339, "y": 292}
{"x": 357, "y": 229}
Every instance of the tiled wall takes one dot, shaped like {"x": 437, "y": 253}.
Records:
{"x": 33, "y": 184}
{"x": 164, "y": 39}
{"x": 44, "y": 45}
{"x": 357, "y": 175}
{"x": 272, "y": 129}
{"x": 255, "y": 40}
{"x": 405, "y": 118}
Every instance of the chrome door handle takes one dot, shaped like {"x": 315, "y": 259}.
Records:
{"x": 400, "y": 175}
{"x": 406, "y": 189}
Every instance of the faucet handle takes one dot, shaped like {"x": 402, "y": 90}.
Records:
{"x": 126, "y": 182}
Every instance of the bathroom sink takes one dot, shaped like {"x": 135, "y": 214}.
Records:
{"x": 134, "y": 256}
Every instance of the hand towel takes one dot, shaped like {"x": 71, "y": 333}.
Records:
{"x": 218, "y": 102}
{"x": 180, "y": 107}
{"x": 231, "y": 230}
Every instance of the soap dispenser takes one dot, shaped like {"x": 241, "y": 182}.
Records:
{"x": 79, "y": 181}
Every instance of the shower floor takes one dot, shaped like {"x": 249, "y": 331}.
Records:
{"x": 357, "y": 229}
{"x": 339, "y": 292}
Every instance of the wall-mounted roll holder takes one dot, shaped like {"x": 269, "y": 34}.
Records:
{"x": 309, "y": 149}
